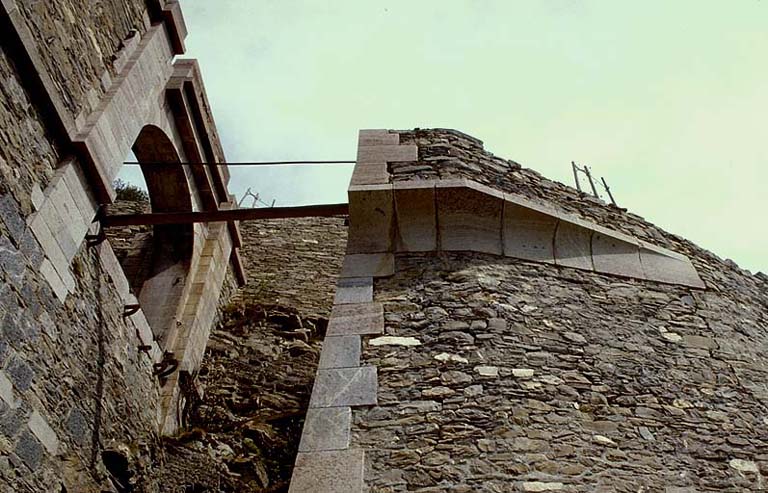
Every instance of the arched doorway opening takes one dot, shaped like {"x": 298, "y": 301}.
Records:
{"x": 157, "y": 259}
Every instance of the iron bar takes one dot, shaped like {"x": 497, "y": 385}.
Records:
{"x": 607, "y": 189}
{"x": 576, "y": 175}
{"x": 236, "y": 163}
{"x": 324, "y": 210}
{"x": 591, "y": 183}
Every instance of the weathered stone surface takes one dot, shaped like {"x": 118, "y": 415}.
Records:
{"x": 340, "y": 352}
{"x": 295, "y": 262}
{"x": 378, "y": 138}
{"x": 573, "y": 245}
{"x": 394, "y": 341}
{"x": 368, "y": 265}
{"x": 468, "y": 220}
{"x": 616, "y": 256}
{"x": 354, "y": 290}
{"x": 328, "y": 472}
{"x": 372, "y": 219}
{"x": 528, "y": 234}
{"x": 356, "y": 318}
{"x": 326, "y": 429}
{"x": 561, "y": 368}
{"x": 416, "y": 217}
{"x": 663, "y": 267}
{"x": 335, "y": 387}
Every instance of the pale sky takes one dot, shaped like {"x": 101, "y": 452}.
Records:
{"x": 666, "y": 99}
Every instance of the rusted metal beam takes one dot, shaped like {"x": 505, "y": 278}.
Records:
{"x": 324, "y": 210}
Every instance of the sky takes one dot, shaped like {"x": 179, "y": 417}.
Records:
{"x": 667, "y": 100}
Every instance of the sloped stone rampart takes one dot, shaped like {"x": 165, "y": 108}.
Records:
{"x": 449, "y": 154}
{"x": 530, "y": 377}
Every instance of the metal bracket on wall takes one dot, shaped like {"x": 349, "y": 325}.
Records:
{"x": 94, "y": 240}
{"x": 129, "y": 310}
{"x": 167, "y": 366}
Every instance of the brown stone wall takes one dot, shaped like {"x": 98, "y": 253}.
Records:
{"x": 133, "y": 245}
{"x": 27, "y": 158}
{"x": 256, "y": 377}
{"x": 73, "y": 380}
{"x": 78, "y": 43}
{"x": 73, "y": 383}
{"x": 530, "y": 377}
{"x": 293, "y": 262}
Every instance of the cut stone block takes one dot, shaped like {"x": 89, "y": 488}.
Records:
{"x": 354, "y": 290}
{"x": 370, "y": 174}
{"x": 356, "y": 319}
{"x": 326, "y": 429}
{"x": 371, "y": 219}
{"x": 339, "y": 471}
{"x": 416, "y": 216}
{"x": 468, "y": 220}
{"x": 40, "y": 428}
{"x": 54, "y": 281}
{"x": 573, "y": 245}
{"x": 377, "y": 138}
{"x": 387, "y": 153}
{"x": 528, "y": 234}
{"x": 663, "y": 267}
{"x": 335, "y": 387}
{"x": 340, "y": 352}
{"x": 6, "y": 391}
{"x": 614, "y": 255}
{"x": 368, "y": 265}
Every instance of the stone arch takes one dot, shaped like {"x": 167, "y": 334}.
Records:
{"x": 161, "y": 285}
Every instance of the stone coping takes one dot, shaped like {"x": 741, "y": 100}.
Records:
{"x": 464, "y": 215}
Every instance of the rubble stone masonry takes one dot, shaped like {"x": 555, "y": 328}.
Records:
{"x": 499, "y": 374}
{"x": 73, "y": 382}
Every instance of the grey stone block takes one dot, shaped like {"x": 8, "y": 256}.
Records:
{"x": 612, "y": 255}
{"x": 368, "y": 265}
{"x": 468, "y": 219}
{"x": 6, "y": 390}
{"x": 416, "y": 216}
{"x": 9, "y": 213}
{"x": 18, "y": 327}
{"x": 371, "y": 219}
{"x": 11, "y": 419}
{"x": 354, "y": 290}
{"x": 44, "y": 433}
{"x": 335, "y": 387}
{"x": 339, "y": 471}
{"x": 358, "y": 318}
{"x": 12, "y": 261}
{"x": 31, "y": 249}
{"x": 77, "y": 425}
{"x": 4, "y": 352}
{"x": 20, "y": 373}
{"x": 528, "y": 234}
{"x": 663, "y": 267}
{"x": 377, "y": 137}
{"x": 29, "y": 450}
{"x": 573, "y": 246}
{"x": 326, "y": 429}
{"x": 340, "y": 352}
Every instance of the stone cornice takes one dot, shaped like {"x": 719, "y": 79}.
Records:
{"x": 463, "y": 215}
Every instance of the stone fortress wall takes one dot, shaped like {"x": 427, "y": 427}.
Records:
{"x": 79, "y": 88}
{"x": 476, "y": 371}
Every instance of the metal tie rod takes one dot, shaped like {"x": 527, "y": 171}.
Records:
{"x": 236, "y": 163}
{"x": 324, "y": 210}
